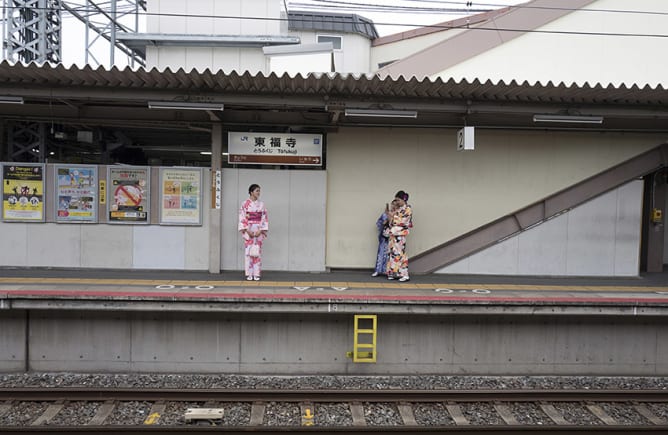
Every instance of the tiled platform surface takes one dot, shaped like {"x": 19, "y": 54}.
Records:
{"x": 286, "y": 291}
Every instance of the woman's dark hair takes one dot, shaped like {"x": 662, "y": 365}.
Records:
{"x": 252, "y": 187}
{"x": 401, "y": 195}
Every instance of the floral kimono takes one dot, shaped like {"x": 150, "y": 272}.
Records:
{"x": 400, "y": 224}
{"x": 253, "y": 218}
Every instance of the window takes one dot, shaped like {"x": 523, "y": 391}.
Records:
{"x": 335, "y": 40}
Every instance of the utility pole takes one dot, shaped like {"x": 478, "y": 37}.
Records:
{"x": 33, "y": 33}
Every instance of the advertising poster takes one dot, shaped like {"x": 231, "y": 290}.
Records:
{"x": 181, "y": 202}
{"x": 256, "y": 148}
{"x": 129, "y": 194}
{"x": 76, "y": 193}
{"x": 22, "y": 192}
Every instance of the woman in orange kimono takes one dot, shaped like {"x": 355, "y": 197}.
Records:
{"x": 253, "y": 226}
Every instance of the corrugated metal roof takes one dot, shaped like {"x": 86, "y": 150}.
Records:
{"x": 118, "y": 101}
{"x": 369, "y": 87}
{"x": 327, "y": 22}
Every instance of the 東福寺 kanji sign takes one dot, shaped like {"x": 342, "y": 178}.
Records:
{"x": 275, "y": 149}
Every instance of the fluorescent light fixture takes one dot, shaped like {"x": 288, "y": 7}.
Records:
{"x": 575, "y": 119}
{"x": 11, "y": 100}
{"x": 178, "y": 105}
{"x": 382, "y": 113}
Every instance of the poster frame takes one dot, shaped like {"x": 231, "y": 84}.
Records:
{"x": 95, "y": 192}
{"x": 42, "y": 219}
{"x": 162, "y": 219}
{"x": 111, "y": 200}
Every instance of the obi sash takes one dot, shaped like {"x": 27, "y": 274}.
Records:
{"x": 254, "y": 217}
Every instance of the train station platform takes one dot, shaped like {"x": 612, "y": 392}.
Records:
{"x": 313, "y": 292}
{"x": 306, "y": 323}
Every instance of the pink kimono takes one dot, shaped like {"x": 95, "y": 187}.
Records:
{"x": 253, "y": 218}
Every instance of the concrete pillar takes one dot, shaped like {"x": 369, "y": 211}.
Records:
{"x": 215, "y": 221}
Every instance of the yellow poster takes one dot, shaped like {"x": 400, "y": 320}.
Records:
{"x": 22, "y": 192}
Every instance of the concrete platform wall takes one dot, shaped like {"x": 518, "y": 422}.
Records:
{"x": 13, "y": 341}
{"x": 92, "y": 341}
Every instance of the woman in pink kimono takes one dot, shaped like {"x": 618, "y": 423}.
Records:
{"x": 400, "y": 223}
{"x": 253, "y": 226}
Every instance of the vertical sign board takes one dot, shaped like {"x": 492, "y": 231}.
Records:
{"x": 76, "y": 193}
{"x": 180, "y": 196}
{"x": 218, "y": 190}
{"x": 103, "y": 191}
{"x": 295, "y": 149}
{"x": 22, "y": 192}
{"x": 129, "y": 200}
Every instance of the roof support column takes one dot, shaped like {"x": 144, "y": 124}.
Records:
{"x": 215, "y": 212}
{"x": 656, "y": 225}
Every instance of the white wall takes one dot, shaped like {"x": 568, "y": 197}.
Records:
{"x": 598, "y": 238}
{"x": 581, "y": 58}
{"x": 301, "y": 63}
{"x": 295, "y": 202}
{"x": 166, "y": 16}
{"x": 354, "y": 54}
{"x": 202, "y": 21}
{"x": 226, "y": 59}
{"x": 452, "y": 192}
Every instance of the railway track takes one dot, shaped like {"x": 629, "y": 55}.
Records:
{"x": 126, "y": 411}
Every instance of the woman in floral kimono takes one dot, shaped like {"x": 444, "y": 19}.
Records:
{"x": 400, "y": 222}
{"x": 253, "y": 226}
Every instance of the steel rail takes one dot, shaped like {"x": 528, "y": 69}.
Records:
{"x": 329, "y": 395}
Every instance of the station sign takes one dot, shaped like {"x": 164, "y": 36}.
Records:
{"x": 256, "y": 148}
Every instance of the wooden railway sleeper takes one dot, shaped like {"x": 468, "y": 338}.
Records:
{"x": 102, "y": 413}
{"x": 49, "y": 413}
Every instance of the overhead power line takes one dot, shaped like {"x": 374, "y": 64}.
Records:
{"x": 461, "y": 5}
{"x": 403, "y": 24}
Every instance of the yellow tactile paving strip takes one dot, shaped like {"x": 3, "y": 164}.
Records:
{"x": 328, "y": 284}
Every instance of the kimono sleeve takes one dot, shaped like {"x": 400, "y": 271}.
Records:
{"x": 264, "y": 223}
{"x": 243, "y": 219}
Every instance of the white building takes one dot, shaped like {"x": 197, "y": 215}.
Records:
{"x": 594, "y": 42}
{"x": 257, "y": 36}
